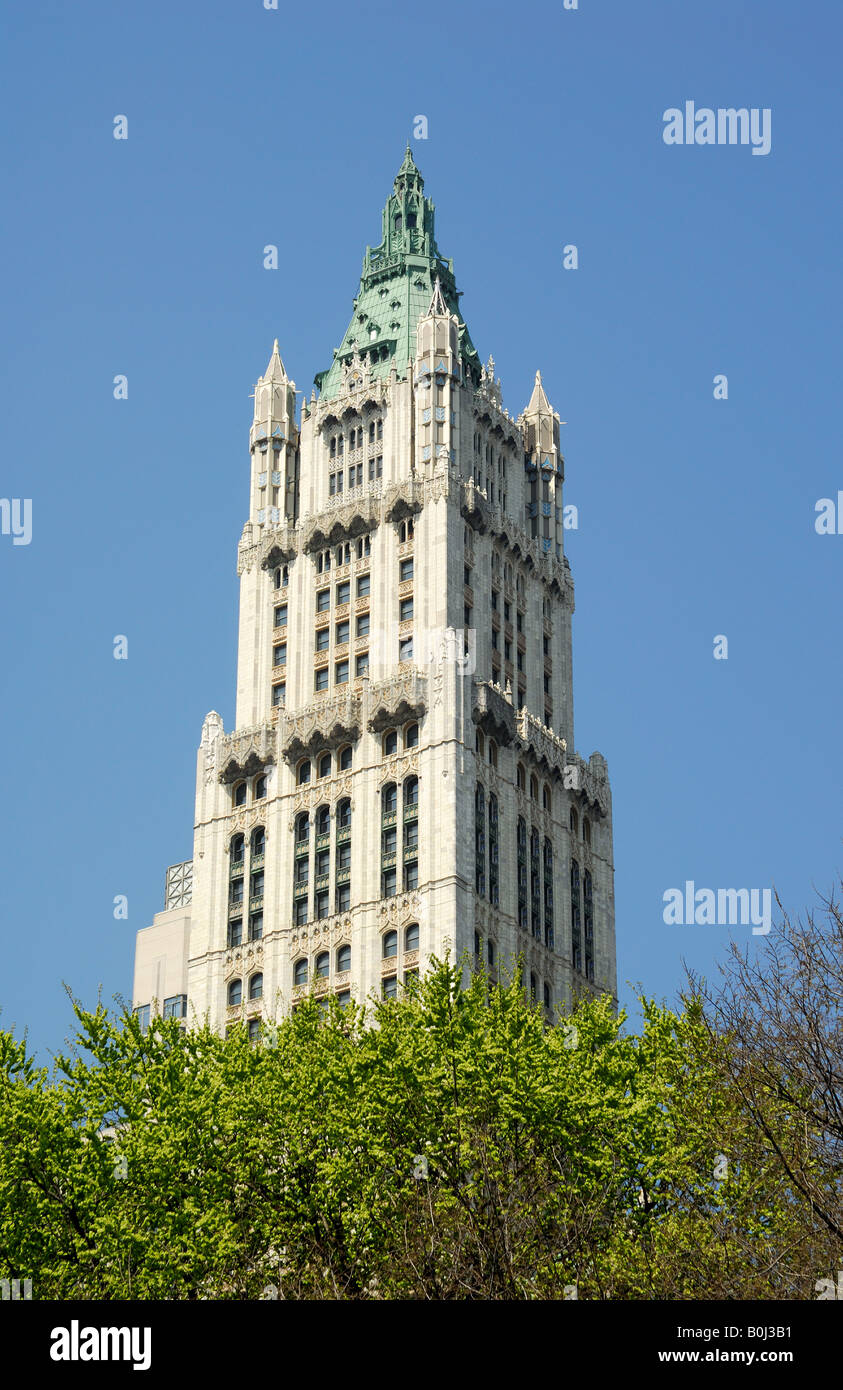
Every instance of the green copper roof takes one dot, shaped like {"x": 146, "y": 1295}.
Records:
{"x": 396, "y": 287}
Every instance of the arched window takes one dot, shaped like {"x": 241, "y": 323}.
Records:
{"x": 344, "y": 814}
{"x": 411, "y": 937}
{"x": 411, "y": 736}
{"x": 323, "y": 820}
{"x": 493, "y": 753}
{"x": 303, "y": 827}
{"x": 300, "y": 972}
{"x": 534, "y": 788}
{"x": 323, "y": 965}
{"x": 235, "y": 993}
{"x": 479, "y": 742}
{"x": 258, "y": 843}
{"x": 547, "y": 797}
{"x": 237, "y": 849}
{"x": 390, "y": 945}
{"x": 389, "y": 799}
{"x": 259, "y": 788}
{"x": 345, "y": 758}
{"x": 586, "y": 830}
{"x": 325, "y": 765}
{"x": 411, "y": 791}
{"x": 520, "y": 778}
{"x": 256, "y": 986}
{"x": 304, "y": 772}
{"x": 240, "y": 794}
{"x": 343, "y": 959}
{"x": 574, "y": 821}
{"x": 390, "y": 742}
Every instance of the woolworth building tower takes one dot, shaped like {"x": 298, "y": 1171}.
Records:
{"x": 401, "y": 780}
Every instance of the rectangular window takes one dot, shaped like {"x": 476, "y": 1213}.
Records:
{"x": 279, "y": 655}
{"x": 411, "y": 876}
{"x": 343, "y": 897}
{"x": 322, "y": 903}
{"x": 361, "y": 664}
{"x": 495, "y": 599}
{"x": 389, "y": 987}
{"x": 405, "y": 649}
{"x": 405, "y": 610}
{"x": 302, "y": 870}
{"x": 323, "y": 637}
{"x": 320, "y": 679}
{"x": 176, "y": 1006}
{"x": 256, "y": 886}
{"x": 323, "y": 600}
{"x": 281, "y": 615}
{"x": 142, "y": 1015}
{"x": 389, "y": 883}
{"x": 279, "y": 693}
{"x": 466, "y": 576}
{"x": 300, "y": 911}
{"x": 255, "y": 926}
{"x": 341, "y": 673}
{"x": 323, "y": 862}
{"x": 343, "y": 632}
{"x": 363, "y": 585}
{"x": 236, "y": 891}
{"x": 344, "y": 854}
{"x": 343, "y": 592}
{"x": 363, "y": 625}
{"x": 235, "y": 931}
{"x": 406, "y": 570}
{"x": 389, "y": 841}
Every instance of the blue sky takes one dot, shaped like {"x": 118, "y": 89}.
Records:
{"x": 144, "y": 257}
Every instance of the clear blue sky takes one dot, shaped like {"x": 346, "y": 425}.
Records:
{"x": 144, "y": 257}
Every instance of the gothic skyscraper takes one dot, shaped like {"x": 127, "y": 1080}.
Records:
{"x": 401, "y": 780}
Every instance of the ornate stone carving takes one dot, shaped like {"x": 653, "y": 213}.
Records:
{"x": 275, "y": 546}
{"x": 326, "y": 724}
{"x": 245, "y": 752}
{"x": 494, "y": 712}
{"x": 546, "y": 747}
{"x": 396, "y": 700}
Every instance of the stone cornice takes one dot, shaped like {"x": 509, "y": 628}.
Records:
{"x": 245, "y": 752}
{"x": 275, "y": 546}
{"x": 322, "y": 724}
{"x": 396, "y": 700}
{"x": 482, "y": 517}
{"x": 546, "y": 747}
{"x": 493, "y": 711}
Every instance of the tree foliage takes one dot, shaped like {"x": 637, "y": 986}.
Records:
{"x": 450, "y": 1146}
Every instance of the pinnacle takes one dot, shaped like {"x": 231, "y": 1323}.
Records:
{"x": 275, "y": 368}
{"x": 538, "y": 400}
